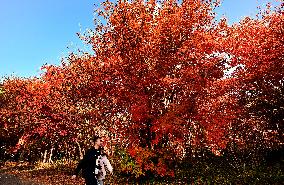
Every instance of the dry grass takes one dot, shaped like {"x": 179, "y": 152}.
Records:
{"x": 58, "y": 173}
{"x": 41, "y": 173}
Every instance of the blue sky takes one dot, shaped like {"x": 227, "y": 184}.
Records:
{"x": 36, "y": 32}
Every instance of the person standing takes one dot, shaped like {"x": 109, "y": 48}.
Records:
{"x": 90, "y": 164}
{"x": 104, "y": 163}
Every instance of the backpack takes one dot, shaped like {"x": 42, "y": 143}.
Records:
{"x": 98, "y": 166}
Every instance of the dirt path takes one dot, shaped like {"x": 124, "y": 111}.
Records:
{"x": 7, "y": 179}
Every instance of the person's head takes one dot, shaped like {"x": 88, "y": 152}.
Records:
{"x": 96, "y": 141}
{"x": 103, "y": 151}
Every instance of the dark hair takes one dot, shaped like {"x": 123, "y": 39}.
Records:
{"x": 103, "y": 153}
{"x": 95, "y": 138}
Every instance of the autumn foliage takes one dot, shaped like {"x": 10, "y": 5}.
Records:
{"x": 156, "y": 85}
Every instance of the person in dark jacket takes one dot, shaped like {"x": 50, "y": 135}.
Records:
{"x": 90, "y": 163}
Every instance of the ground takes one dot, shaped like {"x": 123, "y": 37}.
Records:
{"x": 8, "y": 179}
{"x": 13, "y": 173}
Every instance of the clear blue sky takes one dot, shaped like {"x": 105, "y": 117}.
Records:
{"x": 35, "y": 32}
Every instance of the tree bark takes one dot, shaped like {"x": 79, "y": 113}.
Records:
{"x": 44, "y": 156}
{"x": 80, "y": 150}
{"x": 50, "y": 156}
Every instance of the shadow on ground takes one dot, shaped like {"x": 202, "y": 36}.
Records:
{"x": 8, "y": 179}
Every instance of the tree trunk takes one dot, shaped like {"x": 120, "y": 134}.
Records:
{"x": 44, "y": 156}
{"x": 66, "y": 154}
{"x": 83, "y": 151}
{"x": 50, "y": 156}
{"x": 80, "y": 150}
